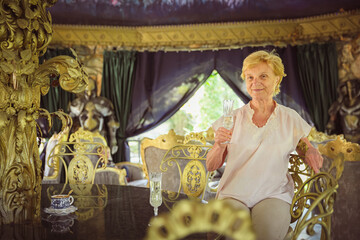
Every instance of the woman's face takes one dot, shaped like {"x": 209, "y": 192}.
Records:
{"x": 261, "y": 81}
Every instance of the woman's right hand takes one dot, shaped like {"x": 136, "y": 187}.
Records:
{"x": 216, "y": 156}
{"x": 222, "y": 135}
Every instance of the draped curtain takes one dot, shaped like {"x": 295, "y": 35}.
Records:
{"x": 164, "y": 82}
{"x": 57, "y": 98}
{"x": 317, "y": 64}
{"x": 117, "y": 86}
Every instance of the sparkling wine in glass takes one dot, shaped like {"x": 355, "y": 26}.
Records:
{"x": 228, "y": 118}
{"x": 155, "y": 191}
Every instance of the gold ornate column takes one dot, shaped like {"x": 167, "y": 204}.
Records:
{"x": 25, "y": 32}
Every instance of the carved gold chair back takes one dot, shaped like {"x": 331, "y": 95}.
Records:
{"x": 181, "y": 159}
{"x": 76, "y": 154}
{"x": 193, "y": 217}
{"x": 153, "y": 150}
{"x": 184, "y": 167}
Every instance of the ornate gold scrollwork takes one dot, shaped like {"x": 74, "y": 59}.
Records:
{"x": 318, "y": 193}
{"x": 25, "y": 32}
{"x": 189, "y": 159}
{"x": 189, "y": 217}
{"x": 194, "y": 178}
{"x": 350, "y": 150}
{"x": 298, "y": 170}
{"x": 82, "y": 145}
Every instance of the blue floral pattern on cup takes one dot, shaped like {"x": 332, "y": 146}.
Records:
{"x": 61, "y": 201}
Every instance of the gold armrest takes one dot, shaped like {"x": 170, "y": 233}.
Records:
{"x": 313, "y": 204}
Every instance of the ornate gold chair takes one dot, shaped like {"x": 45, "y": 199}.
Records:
{"x": 153, "y": 150}
{"x": 85, "y": 157}
{"x": 314, "y": 201}
{"x": 346, "y": 207}
{"x": 191, "y": 217}
{"x": 184, "y": 167}
{"x": 313, "y": 204}
{"x": 181, "y": 160}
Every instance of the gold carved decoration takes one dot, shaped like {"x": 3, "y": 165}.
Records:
{"x": 318, "y": 193}
{"x": 298, "y": 171}
{"x": 332, "y": 149}
{"x": 190, "y": 217}
{"x": 25, "y": 32}
{"x": 193, "y": 178}
{"x": 213, "y": 36}
{"x": 164, "y": 142}
{"x": 62, "y": 136}
{"x": 82, "y": 146}
{"x": 189, "y": 159}
{"x": 318, "y": 137}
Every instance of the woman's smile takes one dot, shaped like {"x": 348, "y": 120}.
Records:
{"x": 260, "y": 81}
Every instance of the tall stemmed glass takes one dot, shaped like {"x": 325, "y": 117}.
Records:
{"x": 228, "y": 120}
{"x": 155, "y": 191}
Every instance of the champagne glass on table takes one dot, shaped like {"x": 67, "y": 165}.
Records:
{"x": 155, "y": 191}
{"x": 228, "y": 118}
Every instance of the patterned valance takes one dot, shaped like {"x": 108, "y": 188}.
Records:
{"x": 213, "y": 35}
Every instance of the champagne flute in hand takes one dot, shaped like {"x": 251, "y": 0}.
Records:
{"x": 228, "y": 118}
{"x": 155, "y": 191}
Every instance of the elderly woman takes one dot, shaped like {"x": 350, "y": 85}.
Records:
{"x": 256, "y": 176}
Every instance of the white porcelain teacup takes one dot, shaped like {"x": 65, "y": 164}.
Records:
{"x": 61, "y": 201}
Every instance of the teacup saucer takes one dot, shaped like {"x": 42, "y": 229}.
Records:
{"x": 63, "y": 211}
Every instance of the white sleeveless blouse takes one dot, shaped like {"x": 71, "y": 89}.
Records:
{"x": 258, "y": 158}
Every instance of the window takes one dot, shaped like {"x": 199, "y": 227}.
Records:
{"x": 194, "y": 116}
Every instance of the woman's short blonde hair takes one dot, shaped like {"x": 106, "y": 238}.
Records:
{"x": 271, "y": 58}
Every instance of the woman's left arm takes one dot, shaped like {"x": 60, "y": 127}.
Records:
{"x": 312, "y": 155}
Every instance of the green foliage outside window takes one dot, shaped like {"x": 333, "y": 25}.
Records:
{"x": 196, "y": 115}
